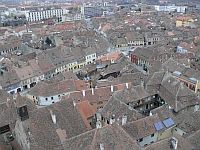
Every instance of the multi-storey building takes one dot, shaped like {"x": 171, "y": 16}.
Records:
{"x": 91, "y": 11}
{"x": 38, "y": 15}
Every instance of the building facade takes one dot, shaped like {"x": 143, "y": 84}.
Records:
{"x": 33, "y": 16}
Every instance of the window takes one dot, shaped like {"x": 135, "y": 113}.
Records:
{"x": 51, "y": 98}
{"x": 140, "y": 140}
{"x": 46, "y": 99}
{"x": 58, "y": 95}
{"x": 152, "y": 135}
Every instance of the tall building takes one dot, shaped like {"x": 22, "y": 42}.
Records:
{"x": 90, "y": 11}
{"x": 38, "y": 15}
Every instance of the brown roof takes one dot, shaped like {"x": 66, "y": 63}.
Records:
{"x": 183, "y": 144}
{"x": 132, "y": 94}
{"x": 29, "y": 71}
{"x": 48, "y": 89}
{"x": 186, "y": 119}
{"x": 44, "y": 62}
{"x": 111, "y": 137}
{"x": 142, "y": 127}
{"x": 81, "y": 85}
{"x": 177, "y": 95}
{"x": 194, "y": 140}
{"x": 44, "y": 134}
{"x": 85, "y": 109}
{"x": 119, "y": 109}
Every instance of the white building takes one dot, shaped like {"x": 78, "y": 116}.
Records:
{"x": 171, "y": 8}
{"x": 72, "y": 17}
{"x": 44, "y": 14}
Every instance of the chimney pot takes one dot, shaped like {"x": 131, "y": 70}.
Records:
{"x": 74, "y": 103}
{"x": 112, "y": 88}
{"x": 83, "y": 92}
{"x": 92, "y": 91}
{"x": 127, "y": 85}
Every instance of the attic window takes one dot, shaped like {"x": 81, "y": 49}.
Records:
{"x": 140, "y": 140}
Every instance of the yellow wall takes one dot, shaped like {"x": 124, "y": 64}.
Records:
{"x": 197, "y": 86}
{"x": 166, "y": 134}
{"x": 179, "y": 23}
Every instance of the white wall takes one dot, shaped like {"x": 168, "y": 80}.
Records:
{"x": 39, "y": 15}
{"x": 91, "y": 57}
{"x": 148, "y": 139}
{"x": 56, "y": 98}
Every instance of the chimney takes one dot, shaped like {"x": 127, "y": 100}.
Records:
{"x": 142, "y": 83}
{"x": 127, "y": 85}
{"x": 53, "y": 116}
{"x": 92, "y": 91}
{"x": 124, "y": 120}
{"x": 112, "y": 119}
{"x": 150, "y": 113}
{"x": 74, "y": 103}
{"x": 174, "y": 143}
{"x": 98, "y": 116}
{"x": 112, "y": 88}
{"x": 36, "y": 60}
{"x": 83, "y": 92}
{"x": 98, "y": 124}
{"x": 8, "y": 99}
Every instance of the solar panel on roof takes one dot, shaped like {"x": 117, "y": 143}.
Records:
{"x": 159, "y": 126}
{"x": 168, "y": 122}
